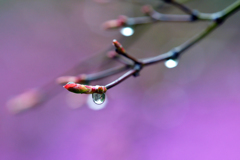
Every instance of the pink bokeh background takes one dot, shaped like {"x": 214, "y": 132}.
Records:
{"x": 188, "y": 112}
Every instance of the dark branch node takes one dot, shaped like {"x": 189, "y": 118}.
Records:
{"x": 175, "y": 54}
{"x": 137, "y": 67}
{"x": 194, "y": 15}
{"x": 219, "y": 20}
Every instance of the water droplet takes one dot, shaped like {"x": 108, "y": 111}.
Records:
{"x": 95, "y": 106}
{"x": 171, "y": 63}
{"x": 98, "y": 98}
{"x": 127, "y": 31}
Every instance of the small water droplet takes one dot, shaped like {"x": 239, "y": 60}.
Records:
{"x": 98, "y": 98}
{"x": 127, "y": 31}
{"x": 171, "y": 63}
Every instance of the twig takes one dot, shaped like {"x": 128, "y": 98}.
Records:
{"x": 180, "y": 6}
{"x": 122, "y": 78}
{"x": 120, "y": 50}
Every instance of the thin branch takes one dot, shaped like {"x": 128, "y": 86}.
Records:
{"x": 87, "y": 78}
{"x": 115, "y": 56}
{"x": 230, "y": 9}
{"x": 180, "y": 6}
{"x": 180, "y": 49}
{"x": 122, "y": 78}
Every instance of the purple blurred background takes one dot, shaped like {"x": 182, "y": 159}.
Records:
{"x": 189, "y": 112}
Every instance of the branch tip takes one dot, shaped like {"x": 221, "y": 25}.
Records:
{"x": 118, "y": 46}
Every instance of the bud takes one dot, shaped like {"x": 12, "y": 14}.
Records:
{"x": 84, "y": 89}
{"x": 115, "y": 23}
{"x": 118, "y": 46}
{"x": 147, "y": 9}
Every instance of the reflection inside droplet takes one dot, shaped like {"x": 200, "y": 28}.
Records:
{"x": 92, "y": 105}
{"x": 171, "y": 63}
{"x": 98, "y": 98}
{"x": 127, "y": 31}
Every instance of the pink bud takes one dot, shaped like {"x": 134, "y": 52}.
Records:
{"x": 84, "y": 89}
{"x": 115, "y": 23}
{"x": 118, "y": 46}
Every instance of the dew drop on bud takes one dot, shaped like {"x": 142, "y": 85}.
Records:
{"x": 98, "y": 98}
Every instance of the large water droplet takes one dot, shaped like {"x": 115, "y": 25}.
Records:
{"x": 98, "y": 98}
{"x": 95, "y": 106}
